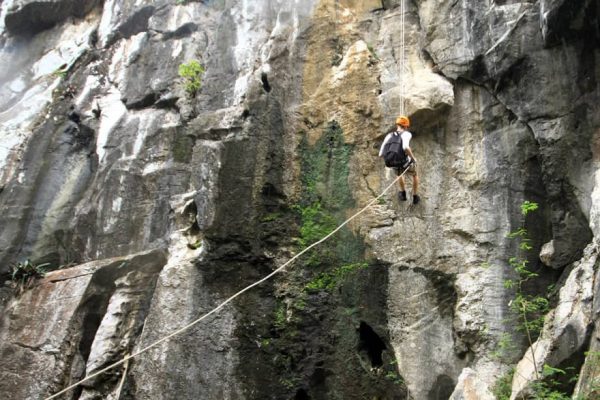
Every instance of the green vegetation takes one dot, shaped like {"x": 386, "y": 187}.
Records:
{"x": 307, "y": 316}
{"x": 505, "y": 348}
{"x": 530, "y": 311}
{"x": 316, "y": 223}
{"x": 326, "y": 197}
{"x": 195, "y": 245}
{"x": 280, "y": 317}
{"x": 591, "y": 389}
{"x": 329, "y": 280}
{"x": 547, "y": 388}
{"x": 299, "y": 304}
{"x": 394, "y": 377}
{"x": 274, "y": 216}
{"x": 191, "y": 73}
{"x": 60, "y": 73}
{"x": 372, "y": 51}
{"x": 24, "y": 274}
{"x": 503, "y": 386}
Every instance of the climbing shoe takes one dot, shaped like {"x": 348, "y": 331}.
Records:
{"x": 416, "y": 199}
{"x": 402, "y": 195}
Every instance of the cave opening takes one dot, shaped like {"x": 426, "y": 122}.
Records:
{"x": 301, "y": 394}
{"x": 442, "y": 388}
{"x": 371, "y": 344}
{"x": 265, "y": 82}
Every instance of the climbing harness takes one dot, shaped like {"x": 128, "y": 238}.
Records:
{"x": 220, "y": 306}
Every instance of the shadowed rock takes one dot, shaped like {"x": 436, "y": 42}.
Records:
{"x": 33, "y": 16}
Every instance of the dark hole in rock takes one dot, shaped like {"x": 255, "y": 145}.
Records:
{"x": 146, "y": 101}
{"x": 301, "y": 395}
{"x": 191, "y": 212}
{"x": 195, "y": 228}
{"x": 318, "y": 377}
{"x": 371, "y": 344}
{"x": 265, "y": 82}
{"x": 245, "y": 113}
{"x": 442, "y": 388}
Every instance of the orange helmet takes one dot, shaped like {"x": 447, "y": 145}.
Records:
{"x": 403, "y": 121}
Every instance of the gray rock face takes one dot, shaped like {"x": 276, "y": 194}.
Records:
{"x": 567, "y": 327}
{"x": 168, "y": 202}
{"x": 32, "y": 16}
{"x": 51, "y": 326}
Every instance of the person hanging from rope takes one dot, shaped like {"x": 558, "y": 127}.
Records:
{"x": 397, "y": 154}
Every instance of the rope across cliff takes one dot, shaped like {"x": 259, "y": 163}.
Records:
{"x": 230, "y": 299}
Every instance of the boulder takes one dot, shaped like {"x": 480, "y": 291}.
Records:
{"x": 51, "y": 327}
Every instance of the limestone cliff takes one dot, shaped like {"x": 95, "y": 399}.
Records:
{"x": 152, "y": 203}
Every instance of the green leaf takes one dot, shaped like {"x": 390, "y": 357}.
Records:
{"x": 191, "y": 73}
{"x": 528, "y": 206}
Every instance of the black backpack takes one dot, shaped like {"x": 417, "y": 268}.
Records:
{"x": 393, "y": 153}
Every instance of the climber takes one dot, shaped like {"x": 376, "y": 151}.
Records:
{"x": 404, "y": 159}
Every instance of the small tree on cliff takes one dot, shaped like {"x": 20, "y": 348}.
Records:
{"x": 191, "y": 73}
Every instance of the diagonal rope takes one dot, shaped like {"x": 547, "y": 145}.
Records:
{"x": 220, "y": 306}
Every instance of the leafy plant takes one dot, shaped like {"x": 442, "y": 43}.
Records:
{"x": 528, "y": 206}
{"x": 530, "y": 309}
{"x": 505, "y": 347}
{"x": 547, "y": 388}
{"x": 329, "y": 280}
{"x": 280, "y": 317}
{"x": 299, "y": 304}
{"x": 316, "y": 223}
{"x": 502, "y": 389}
{"x": 191, "y": 73}
{"x": 394, "y": 377}
{"x": 24, "y": 274}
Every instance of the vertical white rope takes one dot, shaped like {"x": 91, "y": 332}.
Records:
{"x": 402, "y": 58}
{"x": 120, "y": 388}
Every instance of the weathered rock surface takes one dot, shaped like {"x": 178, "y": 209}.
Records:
{"x": 470, "y": 387}
{"x": 32, "y": 16}
{"x": 169, "y": 202}
{"x": 50, "y": 328}
{"x": 567, "y": 327}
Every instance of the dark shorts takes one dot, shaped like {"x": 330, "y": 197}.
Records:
{"x": 412, "y": 170}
